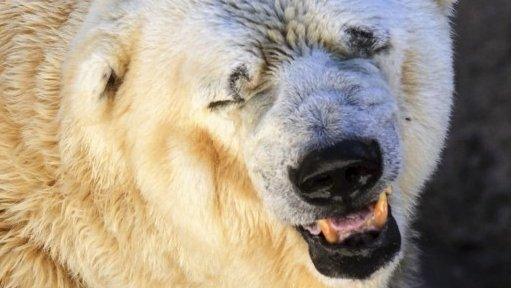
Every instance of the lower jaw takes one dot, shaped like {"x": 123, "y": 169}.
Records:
{"x": 354, "y": 262}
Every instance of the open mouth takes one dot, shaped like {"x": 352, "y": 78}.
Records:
{"x": 354, "y": 245}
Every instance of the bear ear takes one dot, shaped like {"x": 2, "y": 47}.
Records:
{"x": 96, "y": 63}
{"x": 446, "y": 5}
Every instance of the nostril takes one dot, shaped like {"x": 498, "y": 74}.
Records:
{"x": 317, "y": 183}
{"x": 360, "y": 174}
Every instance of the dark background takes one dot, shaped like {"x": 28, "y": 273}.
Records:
{"x": 464, "y": 217}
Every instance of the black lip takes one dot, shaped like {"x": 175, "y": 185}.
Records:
{"x": 359, "y": 261}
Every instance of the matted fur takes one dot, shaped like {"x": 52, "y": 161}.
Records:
{"x": 82, "y": 170}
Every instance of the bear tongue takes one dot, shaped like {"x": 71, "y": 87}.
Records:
{"x": 351, "y": 221}
{"x": 337, "y": 229}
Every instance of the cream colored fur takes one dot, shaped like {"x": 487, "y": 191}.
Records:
{"x": 95, "y": 188}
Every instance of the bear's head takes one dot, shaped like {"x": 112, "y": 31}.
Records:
{"x": 331, "y": 114}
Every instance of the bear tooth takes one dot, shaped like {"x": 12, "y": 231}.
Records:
{"x": 330, "y": 233}
{"x": 380, "y": 213}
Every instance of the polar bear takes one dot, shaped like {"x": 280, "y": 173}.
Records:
{"x": 218, "y": 143}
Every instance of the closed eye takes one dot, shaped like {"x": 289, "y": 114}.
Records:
{"x": 224, "y": 103}
{"x": 367, "y": 42}
{"x": 236, "y": 80}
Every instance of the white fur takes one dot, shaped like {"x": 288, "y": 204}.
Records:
{"x": 153, "y": 188}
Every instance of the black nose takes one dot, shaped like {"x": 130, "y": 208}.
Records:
{"x": 338, "y": 172}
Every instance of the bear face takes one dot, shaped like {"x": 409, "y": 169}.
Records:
{"x": 268, "y": 83}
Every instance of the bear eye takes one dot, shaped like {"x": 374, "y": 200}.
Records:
{"x": 236, "y": 81}
{"x": 367, "y": 42}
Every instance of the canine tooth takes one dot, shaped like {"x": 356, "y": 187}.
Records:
{"x": 380, "y": 213}
{"x": 329, "y": 233}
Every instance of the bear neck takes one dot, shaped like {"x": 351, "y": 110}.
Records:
{"x": 206, "y": 224}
